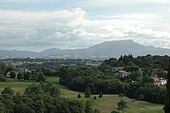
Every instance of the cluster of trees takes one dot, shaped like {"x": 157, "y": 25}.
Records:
{"x": 147, "y": 63}
{"x": 42, "y": 98}
{"x": 142, "y": 87}
{"x": 45, "y": 63}
{"x": 16, "y": 73}
{"x": 167, "y": 103}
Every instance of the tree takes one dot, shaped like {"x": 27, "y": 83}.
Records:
{"x": 136, "y": 76}
{"x": 167, "y": 104}
{"x": 7, "y": 91}
{"x": 122, "y": 105}
{"x": 21, "y": 108}
{"x": 13, "y": 74}
{"x": 19, "y": 76}
{"x": 100, "y": 95}
{"x": 33, "y": 89}
{"x": 94, "y": 97}
{"x": 39, "y": 106}
{"x": 2, "y": 109}
{"x": 78, "y": 96}
{"x": 121, "y": 96}
{"x": 41, "y": 77}
{"x": 87, "y": 92}
{"x": 115, "y": 111}
{"x": 27, "y": 76}
{"x": 88, "y": 108}
{"x": 3, "y": 79}
{"x": 96, "y": 111}
{"x": 54, "y": 91}
{"x": 8, "y": 69}
{"x": 140, "y": 97}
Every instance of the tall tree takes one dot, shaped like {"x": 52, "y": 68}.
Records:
{"x": 122, "y": 105}
{"x": 167, "y": 104}
{"x": 13, "y": 74}
{"x": 88, "y": 108}
{"x": 87, "y": 92}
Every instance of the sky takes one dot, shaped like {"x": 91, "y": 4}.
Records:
{"x": 36, "y": 25}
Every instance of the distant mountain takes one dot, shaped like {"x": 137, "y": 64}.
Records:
{"x": 109, "y": 49}
{"x": 18, "y": 54}
{"x": 99, "y": 51}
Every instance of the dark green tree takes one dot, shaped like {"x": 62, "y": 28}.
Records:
{"x": 27, "y": 76}
{"x": 7, "y": 91}
{"x": 39, "y": 106}
{"x": 21, "y": 108}
{"x": 41, "y": 77}
{"x": 88, "y": 108}
{"x": 2, "y": 109}
{"x": 78, "y": 96}
{"x": 13, "y": 74}
{"x": 167, "y": 103}
{"x": 140, "y": 97}
{"x": 122, "y": 105}
{"x": 121, "y": 96}
{"x": 100, "y": 95}
{"x": 96, "y": 111}
{"x": 54, "y": 91}
{"x": 94, "y": 97}
{"x": 87, "y": 92}
{"x": 34, "y": 89}
{"x": 19, "y": 76}
{"x": 115, "y": 111}
{"x": 8, "y": 69}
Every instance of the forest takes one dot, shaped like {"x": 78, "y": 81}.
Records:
{"x": 44, "y": 97}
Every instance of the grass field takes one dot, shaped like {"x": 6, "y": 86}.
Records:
{"x": 17, "y": 86}
{"x": 105, "y": 104}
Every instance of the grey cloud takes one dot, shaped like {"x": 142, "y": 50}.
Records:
{"x": 71, "y": 30}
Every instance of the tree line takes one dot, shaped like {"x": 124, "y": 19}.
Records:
{"x": 137, "y": 85}
{"x": 41, "y": 98}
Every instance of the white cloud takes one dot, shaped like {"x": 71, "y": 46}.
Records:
{"x": 70, "y": 29}
{"x": 115, "y": 3}
{"x": 24, "y": 1}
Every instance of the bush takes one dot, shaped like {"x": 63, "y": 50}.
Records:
{"x": 78, "y": 96}
{"x": 140, "y": 97}
{"x": 94, "y": 97}
{"x": 87, "y": 92}
{"x": 114, "y": 111}
{"x": 7, "y": 91}
{"x": 3, "y": 79}
{"x": 100, "y": 95}
{"x": 13, "y": 74}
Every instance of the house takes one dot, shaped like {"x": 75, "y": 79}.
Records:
{"x": 159, "y": 81}
{"x": 121, "y": 73}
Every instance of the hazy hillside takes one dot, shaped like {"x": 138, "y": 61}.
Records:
{"x": 110, "y": 49}
{"x": 18, "y": 54}
{"x": 103, "y": 50}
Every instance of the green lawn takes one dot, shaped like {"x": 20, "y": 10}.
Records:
{"x": 105, "y": 104}
{"x": 53, "y": 79}
{"x": 17, "y": 86}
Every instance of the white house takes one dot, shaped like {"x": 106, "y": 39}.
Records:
{"x": 159, "y": 80}
{"x": 122, "y": 73}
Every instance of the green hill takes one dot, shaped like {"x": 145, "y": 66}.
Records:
{"x": 105, "y": 104}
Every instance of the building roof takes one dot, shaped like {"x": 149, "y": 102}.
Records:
{"x": 123, "y": 72}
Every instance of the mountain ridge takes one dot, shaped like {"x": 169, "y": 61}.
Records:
{"x": 103, "y": 50}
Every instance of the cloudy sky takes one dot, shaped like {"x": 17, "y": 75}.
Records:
{"x": 37, "y": 25}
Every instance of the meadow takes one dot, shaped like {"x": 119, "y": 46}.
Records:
{"x": 105, "y": 104}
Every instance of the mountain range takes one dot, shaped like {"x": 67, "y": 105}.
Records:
{"x": 100, "y": 51}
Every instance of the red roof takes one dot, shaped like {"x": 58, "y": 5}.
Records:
{"x": 123, "y": 72}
